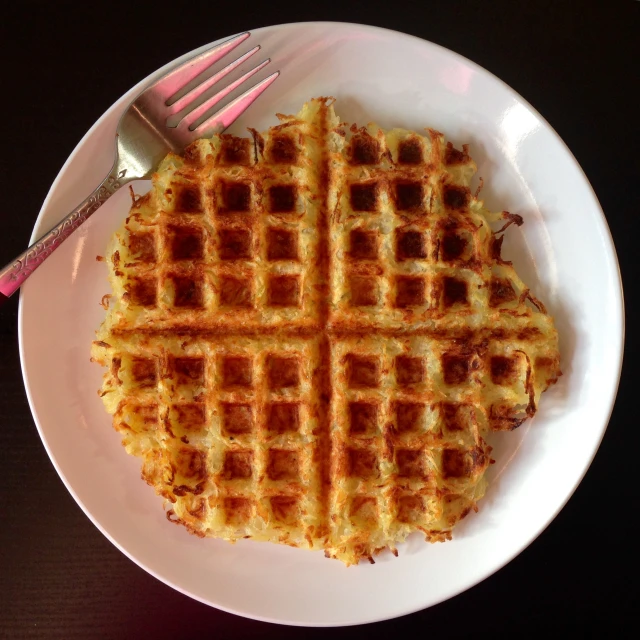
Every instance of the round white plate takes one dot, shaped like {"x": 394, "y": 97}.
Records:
{"x": 564, "y": 252}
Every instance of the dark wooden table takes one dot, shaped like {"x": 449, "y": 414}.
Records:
{"x": 63, "y": 65}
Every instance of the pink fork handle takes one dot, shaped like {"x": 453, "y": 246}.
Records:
{"x": 16, "y": 272}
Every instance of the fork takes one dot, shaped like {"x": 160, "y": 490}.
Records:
{"x": 158, "y": 121}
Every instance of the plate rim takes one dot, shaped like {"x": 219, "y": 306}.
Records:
{"x": 619, "y": 310}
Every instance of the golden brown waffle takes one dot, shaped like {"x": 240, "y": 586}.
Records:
{"x": 311, "y": 333}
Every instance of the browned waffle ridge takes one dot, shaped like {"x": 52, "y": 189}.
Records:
{"x": 312, "y": 331}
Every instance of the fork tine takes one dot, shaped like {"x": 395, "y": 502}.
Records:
{"x": 171, "y": 83}
{"x": 231, "y": 112}
{"x": 192, "y": 117}
{"x": 196, "y": 92}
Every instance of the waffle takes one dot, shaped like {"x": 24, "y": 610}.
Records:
{"x": 312, "y": 334}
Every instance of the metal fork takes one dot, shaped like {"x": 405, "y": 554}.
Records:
{"x": 158, "y": 121}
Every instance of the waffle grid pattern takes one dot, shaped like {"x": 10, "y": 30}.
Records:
{"x": 241, "y": 421}
{"x": 311, "y": 333}
{"x": 227, "y": 248}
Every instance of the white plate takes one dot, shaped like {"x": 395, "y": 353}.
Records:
{"x": 564, "y": 252}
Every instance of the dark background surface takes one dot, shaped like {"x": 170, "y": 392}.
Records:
{"x": 64, "y": 64}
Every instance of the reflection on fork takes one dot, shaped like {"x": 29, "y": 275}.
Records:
{"x": 160, "y": 120}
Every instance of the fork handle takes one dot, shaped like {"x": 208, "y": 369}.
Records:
{"x": 18, "y": 270}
